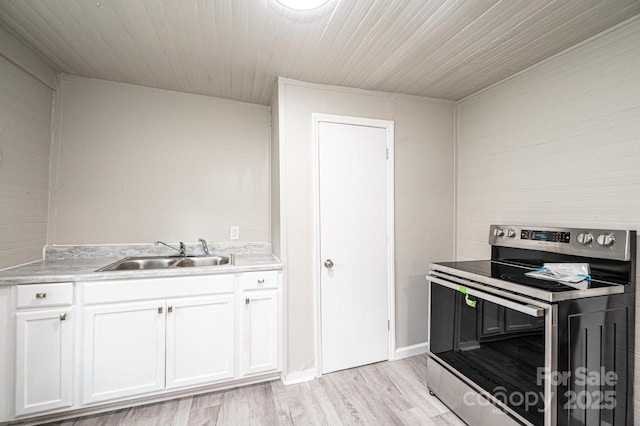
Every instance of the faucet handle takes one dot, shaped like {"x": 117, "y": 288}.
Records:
{"x": 205, "y": 247}
{"x": 182, "y": 250}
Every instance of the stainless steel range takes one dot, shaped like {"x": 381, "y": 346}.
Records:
{"x": 540, "y": 334}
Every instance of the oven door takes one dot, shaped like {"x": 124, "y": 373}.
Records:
{"x": 500, "y": 346}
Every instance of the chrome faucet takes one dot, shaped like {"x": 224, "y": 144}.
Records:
{"x": 205, "y": 247}
{"x": 182, "y": 250}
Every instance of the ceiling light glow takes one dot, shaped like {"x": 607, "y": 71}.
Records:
{"x": 302, "y": 4}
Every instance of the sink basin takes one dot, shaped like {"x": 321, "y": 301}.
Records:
{"x": 163, "y": 262}
{"x": 131, "y": 263}
{"x": 203, "y": 261}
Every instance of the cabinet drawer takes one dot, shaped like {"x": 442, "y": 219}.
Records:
{"x": 259, "y": 280}
{"x": 36, "y": 295}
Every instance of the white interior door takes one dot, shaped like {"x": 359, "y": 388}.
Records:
{"x": 354, "y": 257}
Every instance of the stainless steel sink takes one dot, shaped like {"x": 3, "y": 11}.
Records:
{"x": 163, "y": 262}
{"x": 203, "y": 261}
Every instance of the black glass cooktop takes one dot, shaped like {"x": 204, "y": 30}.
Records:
{"x": 514, "y": 271}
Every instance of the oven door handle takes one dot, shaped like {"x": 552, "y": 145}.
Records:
{"x": 530, "y": 310}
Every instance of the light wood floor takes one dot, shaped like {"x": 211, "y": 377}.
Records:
{"x": 386, "y": 393}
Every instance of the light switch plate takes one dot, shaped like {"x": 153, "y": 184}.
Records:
{"x": 234, "y": 232}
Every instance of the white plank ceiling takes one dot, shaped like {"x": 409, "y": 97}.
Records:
{"x": 236, "y": 49}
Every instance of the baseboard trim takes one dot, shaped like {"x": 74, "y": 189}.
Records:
{"x": 400, "y": 353}
{"x": 299, "y": 377}
{"x": 407, "y": 351}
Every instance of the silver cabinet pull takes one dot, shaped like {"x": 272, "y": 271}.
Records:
{"x": 170, "y": 309}
{"x": 41, "y": 295}
{"x": 160, "y": 310}
{"x": 328, "y": 264}
{"x": 63, "y": 316}
{"x": 246, "y": 301}
{"x": 261, "y": 281}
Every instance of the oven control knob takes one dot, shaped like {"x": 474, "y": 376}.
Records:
{"x": 510, "y": 233}
{"x": 606, "y": 240}
{"x": 585, "y": 239}
{"x": 498, "y": 232}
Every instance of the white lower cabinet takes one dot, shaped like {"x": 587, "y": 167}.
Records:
{"x": 123, "y": 350}
{"x": 138, "y": 338}
{"x": 261, "y": 331}
{"x": 132, "y": 348}
{"x": 200, "y": 340}
{"x": 44, "y": 360}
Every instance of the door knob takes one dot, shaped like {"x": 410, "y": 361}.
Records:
{"x": 328, "y": 264}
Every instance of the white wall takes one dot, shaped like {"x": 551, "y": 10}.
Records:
{"x": 423, "y": 205}
{"x": 133, "y": 165}
{"x": 424, "y": 202}
{"x": 25, "y": 136}
{"x": 557, "y": 145}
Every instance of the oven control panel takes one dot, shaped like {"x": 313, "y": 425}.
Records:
{"x": 604, "y": 243}
{"x": 551, "y": 236}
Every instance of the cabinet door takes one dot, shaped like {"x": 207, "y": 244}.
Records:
{"x": 123, "y": 350}
{"x": 492, "y": 318}
{"x": 517, "y": 321}
{"x": 200, "y": 340}
{"x": 261, "y": 334}
{"x": 44, "y": 360}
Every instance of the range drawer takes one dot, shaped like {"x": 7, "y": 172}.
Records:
{"x": 37, "y": 295}
{"x": 259, "y": 280}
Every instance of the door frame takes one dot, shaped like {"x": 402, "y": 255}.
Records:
{"x": 388, "y": 125}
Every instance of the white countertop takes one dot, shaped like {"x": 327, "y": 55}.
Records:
{"x": 84, "y": 269}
